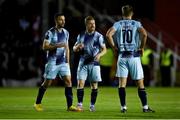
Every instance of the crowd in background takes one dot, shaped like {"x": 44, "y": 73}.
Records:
{"x": 20, "y": 52}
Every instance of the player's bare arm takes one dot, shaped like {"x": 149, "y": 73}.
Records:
{"x": 109, "y": 36}
{"x": 67, "y": 53}
{"x": 99, "y": 55}
{"x": 143, "y": 37}
{"x": 78, "y": 47}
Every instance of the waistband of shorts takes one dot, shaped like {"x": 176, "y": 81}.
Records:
{"x": 95, "y": 63}
{"x": 56, "y": 63}
{"x": 125, "y": 54}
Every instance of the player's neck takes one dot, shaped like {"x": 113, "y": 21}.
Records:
{"x": 59, "y": 29}
{"x": 127, "y": 18}
{"x": 89, "y": 32}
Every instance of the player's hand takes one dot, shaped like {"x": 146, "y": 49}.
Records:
{"x": 79, "y": 47}
{"x": 141, "y": 51}
{"x": 97, "y": 57}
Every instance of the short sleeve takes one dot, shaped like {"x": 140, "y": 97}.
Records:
{"x": 139, "y": 25}
{"x": 101, "y": 41}
{"x": 78, "y": 40}
{"x": 67, "y": 37}
{"x": 116, "y": 25}
{"x": 48, "y": 36}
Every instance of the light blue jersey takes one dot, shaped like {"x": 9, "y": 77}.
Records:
{"x": 128, "y": 41}
{"x": 127, "y": 36}
{"x": 56, "y": 59}
{"x": 57, "y": 56}
{"x": 88, "y": 67}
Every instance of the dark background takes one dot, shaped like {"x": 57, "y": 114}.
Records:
{"x": 22, "y": 31}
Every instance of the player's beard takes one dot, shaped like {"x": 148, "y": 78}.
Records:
{"x": 60, "y": 26}
{"x": 91, "y": 30}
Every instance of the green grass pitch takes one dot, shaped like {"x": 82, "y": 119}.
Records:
{"x": 17, "y": 103}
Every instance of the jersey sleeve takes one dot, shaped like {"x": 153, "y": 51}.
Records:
{"x": 78, "y": 40}
{"x": 138, "y": 25}
{"x": 48, "y": 36}
{"x": 116, "y": 25}
{"x": 101, "y": 41}
{"x": 67, "y": 37}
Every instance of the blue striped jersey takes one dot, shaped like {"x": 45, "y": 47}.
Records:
{"x": 92, "y": 43}
{"x": 53, "y": 36}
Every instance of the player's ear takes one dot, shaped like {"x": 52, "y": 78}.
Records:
{"x": 132, "y": 13}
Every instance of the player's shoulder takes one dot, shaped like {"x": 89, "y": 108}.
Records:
{"x": 50, "y": 31}
{"x": 81, "y": 34}
{"x": 118, "y": 22}
{"x": 136, "y": 21}
{"x": 65, "y": 30}
{"x": 98, "y": 33}
{"x": 133, "y": 21}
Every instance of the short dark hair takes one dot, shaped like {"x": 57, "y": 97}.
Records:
{"x": 127, "y": 10}
{"x": 88, "y": 18}
{"x": 57, "y": 15}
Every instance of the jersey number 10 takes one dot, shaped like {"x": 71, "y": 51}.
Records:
{"x": 127, "y": 36}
